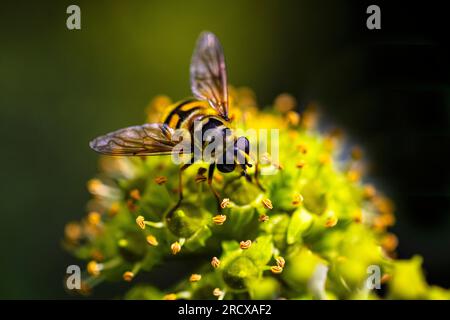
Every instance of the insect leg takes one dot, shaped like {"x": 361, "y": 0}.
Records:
{"x": 258, "y": 183}
{"x": 180, "y": 187}
{"x": 212, "y": 166}
{"x": 230, "y": 181}
{"x": 180, "y": 181}
{"x": 245, "y": 174}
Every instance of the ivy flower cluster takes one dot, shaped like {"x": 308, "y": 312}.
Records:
{"x": 313, "y": 233}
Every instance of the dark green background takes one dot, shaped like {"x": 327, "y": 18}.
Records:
{"x": 59, "y": 88}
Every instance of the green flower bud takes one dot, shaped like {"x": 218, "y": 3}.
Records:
{"x": 144, "y": 292}
{"x": 300, "y": 267}
{"x": 184, "y": 222}
{"x": 315, "y": 197}
{"x": 241, "y": 193}
{"x": 132, "y": 247}
{"x": 239, "y": 271}
{"x": 264, "y": 289}
{"x": 300, "y": 222}
{"x": 277, "y": 226}
{"x": 407, "y": 280}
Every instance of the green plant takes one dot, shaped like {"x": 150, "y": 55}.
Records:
{"x": 313, "y": 233}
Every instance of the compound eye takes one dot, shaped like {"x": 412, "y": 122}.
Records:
{"x": 242, "y": 150}
{"x": 243, "y": 144}
{"x": 226, "y": 168}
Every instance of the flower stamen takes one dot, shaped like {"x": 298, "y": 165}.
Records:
{"x": 298, "y": 200}
{"x": 94, "y": 268}
{"x": 141, "y": 222}
{"x": 195, "y": 277}
{"x": 267, "y": 203}
{"x": 245, "y": 244}
{"x": 280, "y": 261}
{"x": 215, "y": 262}
{"x": 276, "y": 269}
{"x": 175, "y": 247}
{"x": 217, "y": 292}
{"x": 94, "y": 218}
{"x": 225, "y": 202}
{"x": 170, "y": 296}
{"x": 151, "y": 240}
{"x": 331, "y": 222}
{"x": 219, "y": 219}
{"x": 135, "y": 194}
{"x": 128, "y": 276}
{"x": 160, "y": 180}
{"x": 300, "y": 164}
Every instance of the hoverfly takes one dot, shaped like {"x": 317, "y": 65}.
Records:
{"x": 208, "y": 79}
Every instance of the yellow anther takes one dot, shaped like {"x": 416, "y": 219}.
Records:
{"x": 301, "y": 164}
{"x": 94, "y": 185}
{"x": 135, "y": 194}
{"x": 385, "y": 278}
{"x": 128, "y": 276}
{"x": 195, "y": 277}
{"x": 369, "y": 191}
{"x": 114, "y": 209}
{"x": 276, "y": 269}
{"x": 94, "y": 218}
{"x": 278, "y": 165}
{"x": 97, "y": 255}
{"x": 388, "y": 219}
{"x": 383, "y": 204}
{"x": 293, "y": 118}
{"x": 267, "y": 203}
{"x": 331, "y": 222}
{"x": 358, "y": 216}
{"x": 219, "y": 219}
{"x": 225, "y": 202}
{"x": 285, "y": 102}
{"x": 175, "y": 247}
{"x": 298, "y": 200}
{"x": 160, "y": 180}
{"x": 389, "y": 242}
{"x": 73, "y": 231}
{"x": 215, "y": 262}
{"x": 170, "y": 296}
{"x": 217, "y": 292}
{"x": 140, "y": 220}
{"x": 93, "y": 268}
{"x": 280, "y": 262}
{"x": 131, "y": 205}
{"x": 354, "y": 175}
{"x": 151, "y": 240}
{"x": 302, "y": 148}
{"x": 245, "y": 244}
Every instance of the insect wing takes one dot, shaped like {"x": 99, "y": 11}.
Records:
{"x": 148, "y": 139}
{"x": 208, "y": 73}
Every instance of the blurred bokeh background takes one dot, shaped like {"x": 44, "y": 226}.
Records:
{"x": 389, "y": 89}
